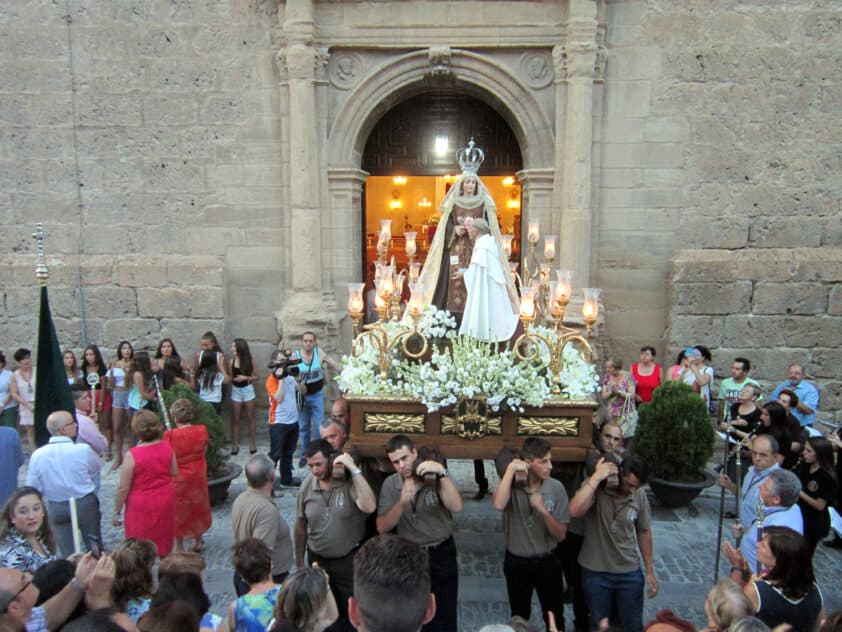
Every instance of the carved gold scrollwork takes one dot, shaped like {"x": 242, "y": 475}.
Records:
{"x": 548, "y": 426}
{"x": 471, "y": 420}
{"x": 393, "y": 423}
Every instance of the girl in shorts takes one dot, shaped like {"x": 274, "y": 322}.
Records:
{"x": 210, "y": 379}
{"x": 243, "y": 375}
{"x": 23, "y": 392}
{"x": 118, "y": 375}
{"x": 93, "y": 364}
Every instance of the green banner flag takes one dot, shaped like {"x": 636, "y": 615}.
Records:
{"x": 52, "y": 391}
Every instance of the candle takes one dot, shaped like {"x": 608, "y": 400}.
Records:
{"x": 590, "y": 308}
{"x": 414, "y": 271}
{"x": 534, "y": 230}
{"x": 386, "y": 229}
{"x": 507, "y": 245}
{"x": 411, "y": 247}
{"x": 549, "y": 247}
{"x": 527, "y": 302}
{"x": 416, "y": 298}
{"x": 355, "y": 297}
{"x": 562, "y": 288}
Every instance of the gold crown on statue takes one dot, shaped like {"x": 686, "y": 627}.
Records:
{"x": 470, "y": 158}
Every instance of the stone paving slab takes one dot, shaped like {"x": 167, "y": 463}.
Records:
{"x": 684, "y": 551}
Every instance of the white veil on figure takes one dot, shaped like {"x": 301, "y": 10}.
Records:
{"x": 432, "y": 265}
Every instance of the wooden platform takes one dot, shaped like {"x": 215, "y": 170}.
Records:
{"x": 468, "y": 431}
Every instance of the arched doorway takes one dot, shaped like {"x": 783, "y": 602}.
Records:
{"x": 409, "y": 171}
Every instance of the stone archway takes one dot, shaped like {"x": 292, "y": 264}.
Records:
{"x": 405, "y": 76}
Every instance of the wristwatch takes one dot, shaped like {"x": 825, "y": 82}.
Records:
{"x": 444, "y": 473}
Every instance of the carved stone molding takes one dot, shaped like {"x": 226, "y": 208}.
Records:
{"x": 536, "y": 70}
{"x": 559, "y": 63}
{"x": 439, "y": 57}
{"x": 298, "y": 61}
{"x": 345, "y": 69}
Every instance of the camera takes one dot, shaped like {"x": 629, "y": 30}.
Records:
{"x": 286, "y": 363}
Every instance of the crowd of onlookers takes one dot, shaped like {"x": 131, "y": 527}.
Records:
{"x": 596, "y": 537}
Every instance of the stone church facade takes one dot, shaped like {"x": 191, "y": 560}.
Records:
{"x": 198, "y": 162}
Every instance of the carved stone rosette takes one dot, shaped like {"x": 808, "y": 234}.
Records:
{"x": 547, "y": 427}
{"x": 393, "y": 423}
{"x": 471, "y": 420}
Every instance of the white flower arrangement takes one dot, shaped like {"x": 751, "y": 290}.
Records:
{"x": 466, "y": 369}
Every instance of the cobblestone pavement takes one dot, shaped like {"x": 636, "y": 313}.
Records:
{"x": 684, "y": 551}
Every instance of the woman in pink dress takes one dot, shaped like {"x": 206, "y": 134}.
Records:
{"x": 146, "y": 485}
{"x": 189, "y": 442}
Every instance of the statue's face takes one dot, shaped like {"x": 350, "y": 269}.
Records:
{"x": 469, "y": 186}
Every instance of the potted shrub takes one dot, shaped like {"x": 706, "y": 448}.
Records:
{"x": 675, "y": 435}
{"x": 220, "y": 471}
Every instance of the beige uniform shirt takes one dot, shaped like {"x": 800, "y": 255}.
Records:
{"x": 255, "y": 515}
{"x": 526, "y": 533}
{"x": 611, "y": 526}
{"x": 335, "y": 525}
{"x": 425, "y": 521}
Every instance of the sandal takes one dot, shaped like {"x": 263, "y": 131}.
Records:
{"x": 198, "y": 545}
{"x": 116, "y": 465}
{"x": 235, "y": 451}
{"x": 106, "y": 454}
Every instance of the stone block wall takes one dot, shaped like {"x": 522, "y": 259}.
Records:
{"x": 772, "y": 307}
{"x": 162, "y": 177}
{"x": 125, "y": 298}
{"x": 719, "y": 198}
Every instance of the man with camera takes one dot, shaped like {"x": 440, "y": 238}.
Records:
{"x": 281, "y": 385}
{"x": 311, "y": 364}
{"x": 419, "y": 501}
{"x": 617, "y": 525}
{"x": 333, "y": 503}
{"x": 535, "y": 520}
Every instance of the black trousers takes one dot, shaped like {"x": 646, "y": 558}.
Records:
{"x": 341, "y": 572}
{"x": 282, "y": 441}
{"x": 542, "y": 574}
{"x": 479, "y": 475}
{"x": 444, "y": 584}
{"x": 568, "y": 551}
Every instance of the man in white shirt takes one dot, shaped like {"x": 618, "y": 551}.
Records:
{"x": 62, "y": 470}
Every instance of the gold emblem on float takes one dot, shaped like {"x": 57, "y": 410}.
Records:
{"x": 393, "y": 423}
{"x": 471, "y": 420}
{"x": 548, "y": 427}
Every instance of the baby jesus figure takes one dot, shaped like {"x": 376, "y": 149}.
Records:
{"x": 488, "y": 310}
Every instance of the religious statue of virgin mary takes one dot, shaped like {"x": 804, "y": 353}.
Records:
{"x": 450, "y": 253}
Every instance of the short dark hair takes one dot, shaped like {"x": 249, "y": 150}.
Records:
{"x": 534, "y": 448}
{"x": 635, "y": 464}
{"x": 175, "y": 616}
{"x": 181, "y": 587}
{"x": 22, "y": 354}
{"x": 391, "y": 584}
{"x": 318, "y": 445}
{"x": 101, "y": 620}
{"x": 746, "y": 364}
{"x": 650, "y": 349}
{"x": 793, "y": 398}
{"x": 704, "y": 351}
{"x": 397, "y": 442}
{"x": 252, "y": 560}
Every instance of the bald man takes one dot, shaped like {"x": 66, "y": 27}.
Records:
{"x": 62, "y": 470}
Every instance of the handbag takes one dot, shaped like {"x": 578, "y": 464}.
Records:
{"x": 628, "y": 418}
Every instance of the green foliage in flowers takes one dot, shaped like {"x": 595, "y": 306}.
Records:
{"x": 205, "y": 415}
{"x": 674, "y": 433}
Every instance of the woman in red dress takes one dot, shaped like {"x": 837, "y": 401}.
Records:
{"x": 647, "y": 375}
{"x": 192, "y": 508}
{"x": 146, "y": 485}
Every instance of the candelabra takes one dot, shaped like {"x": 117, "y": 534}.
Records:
{"x": 528, "y": 344}
{"x": 388, "y": 281}
{"x": 376, "y": 333}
